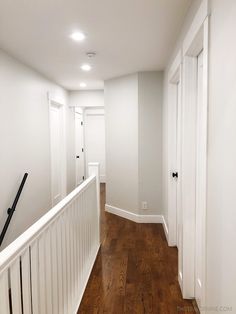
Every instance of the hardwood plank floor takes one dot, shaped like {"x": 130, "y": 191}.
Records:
{"x": 135, "y": 271}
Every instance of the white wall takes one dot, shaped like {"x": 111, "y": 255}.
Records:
{"x": 121, "y": 105}
{"x": 134, "y": 142}
{"x": 25, "y": 146}
{"x": 221, "y": 202}
{"x": 150, "y": 89}
{"x": 86, "y": 98}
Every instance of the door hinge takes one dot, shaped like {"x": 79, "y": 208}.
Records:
{"x": 83, "y": 177}
{"x": 82, "y": 123}
{"x": 82, "y": 150}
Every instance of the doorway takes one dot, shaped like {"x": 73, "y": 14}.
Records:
{"x": 95, "y": 139}
{"x": 194, "y": 162}
{"x": 174, "y": 157}
{"x": 58, "y": 161}
{"x": 79, "y": 146}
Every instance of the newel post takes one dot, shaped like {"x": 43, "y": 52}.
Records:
{"x": 94, "y": 169}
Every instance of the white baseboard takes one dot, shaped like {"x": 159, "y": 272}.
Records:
{"x": 134, "y": 217}
{"x": 165, "y": 228}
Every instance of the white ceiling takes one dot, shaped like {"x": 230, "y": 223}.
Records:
{"x": 128, "y": 36}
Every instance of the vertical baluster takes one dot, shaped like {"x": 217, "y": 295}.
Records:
{"x": 67, "y": 226}
{"x": 48, "y": 268}
{"x": 54, "y": 268}
{"x": 16, "y": 287}
{"x": 42, "y": 273}
{"x": 77, "y": 243}
{"x": 64, "y": 262}
{"x": 90, "y": 218}
{"x": 60, "y": 266}
{"x": 26, "y": 281}
{"x": 75, "y": 251}
{"x": 83, "y": 237}
{"x": 4, "y": 293}
{"x": 79, "y": 246}
{"x": 34, "y": 258}
{"x": 72, "y": 255}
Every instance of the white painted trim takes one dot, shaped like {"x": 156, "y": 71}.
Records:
{"x": 51, "y": 102}
{"x": 133, "y": 217}
{"x": 196, "y": 39}
{"x": 175, "y": 68}
{"x": 165, "y": 227}
{"x": 196, "y": 25}
{"x": 174, "y": 120}
{"x": 80, "y": 111}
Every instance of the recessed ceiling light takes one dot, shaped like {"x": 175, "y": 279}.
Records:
{"x": 86, "y": 67}
{"x": 77, "y": 36}
{"x": 83, "y": 85}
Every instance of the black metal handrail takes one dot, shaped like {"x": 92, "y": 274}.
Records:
{"x": 11, "y": 210}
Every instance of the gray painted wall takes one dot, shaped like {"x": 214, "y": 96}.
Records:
{"x": 150, "y": 89}
{"x": 133, "y": 107}
{"x": 121, "y": 106}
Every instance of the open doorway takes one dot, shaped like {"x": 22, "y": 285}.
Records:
{"x": 94, "y": 126}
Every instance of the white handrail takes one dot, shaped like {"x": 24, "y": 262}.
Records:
{"x": 46, "y": 269}
{"x": 18, "y": 245}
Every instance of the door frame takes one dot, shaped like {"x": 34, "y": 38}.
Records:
{"x": 195, "y": 41}
{"x": 174, "y": 78}
{"x": 80, "y": 110}
{"x": 91, "y": 111}
{"x": 62, "y": 108}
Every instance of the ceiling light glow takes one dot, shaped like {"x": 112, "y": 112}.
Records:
{"x": 86, "y": 67}
{"x": 83, "y": 85}
{"x": 77, "y": 36}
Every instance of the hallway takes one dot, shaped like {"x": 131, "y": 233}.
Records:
{"x": 135, "y": 271}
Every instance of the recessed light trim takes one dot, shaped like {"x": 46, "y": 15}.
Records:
{"x": 83, "y": 85}
{"x": 77, "y": 36}
{"x": 86, "y": 67}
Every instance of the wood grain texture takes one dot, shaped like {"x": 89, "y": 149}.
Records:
{"x": 135, "y": 271}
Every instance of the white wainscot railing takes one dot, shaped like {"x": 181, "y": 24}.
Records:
{"x": 46, "y": 269}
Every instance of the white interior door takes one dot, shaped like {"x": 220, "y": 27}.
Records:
{"x": 79, "y": 147}
{"x": 56, "y": 126}
{"x": 173, "y": 163}
{"x": 200, "y": 182}
{"x": 95, "y": 139}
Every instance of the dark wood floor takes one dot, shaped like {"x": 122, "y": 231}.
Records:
{"x": 135, "y": 271}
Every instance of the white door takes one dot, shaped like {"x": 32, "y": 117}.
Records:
{"x": 56, "y": 128}
{"x": 173, "y": 164}
{"x": 200, "y": 178}
{"x": 95, "y": 139}
{"x": 79, "y": 147}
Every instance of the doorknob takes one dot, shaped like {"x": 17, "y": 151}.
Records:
{"x": 174, "y": 174}
{"x": 77, "y": 156}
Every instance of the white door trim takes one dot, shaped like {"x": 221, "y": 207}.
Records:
{"x": 61, "y": 105}
{"x": 174, "y": 78}
{"x": 196, "y": 41}
{"x": 79, "y": 110}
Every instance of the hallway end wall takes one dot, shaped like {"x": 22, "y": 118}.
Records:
{"x": 121, "y": 106}
{"x": 133, "y": 107}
